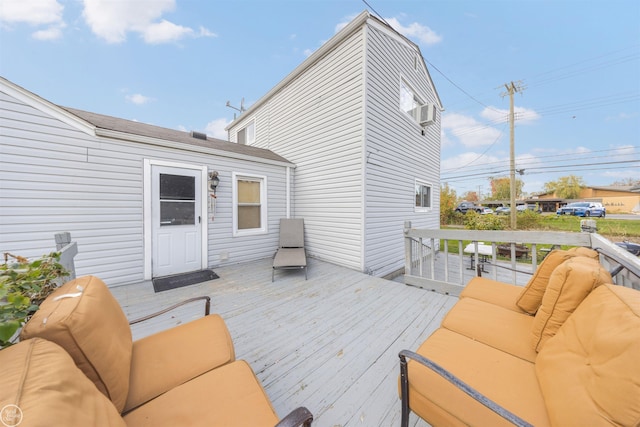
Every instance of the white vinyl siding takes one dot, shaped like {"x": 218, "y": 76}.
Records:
{"x": 316, "y": 123}
{"x": 397, "y": 152}
{"x": 54, "y": 178}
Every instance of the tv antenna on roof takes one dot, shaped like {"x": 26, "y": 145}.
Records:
{"x": 241, "y": 109}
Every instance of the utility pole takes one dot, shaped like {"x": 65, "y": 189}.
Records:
{"x": 512, "y": 88}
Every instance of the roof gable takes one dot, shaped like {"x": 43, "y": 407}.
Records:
{"x": 357, "y": 23}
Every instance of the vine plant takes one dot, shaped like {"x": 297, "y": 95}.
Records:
{"x": 24, "y": 285}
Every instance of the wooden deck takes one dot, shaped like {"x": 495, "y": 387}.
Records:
{"x": 330, "y": 343}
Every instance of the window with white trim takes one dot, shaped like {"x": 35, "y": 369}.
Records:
{"x": 409, "y": 101}
{"x": 247, "y": 135}
{"x": 249, "y": 204}
{"x": 423, "y": 195}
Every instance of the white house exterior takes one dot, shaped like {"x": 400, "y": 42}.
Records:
{"x": 135, "y": 197}
{"x": 348, "y": 118}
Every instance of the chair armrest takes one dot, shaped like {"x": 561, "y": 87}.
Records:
{"x": 298, "y": 417}
{"x": 174, "y": 356}
{"x": 476, "y": 395}
{"x": 207, "y": 308}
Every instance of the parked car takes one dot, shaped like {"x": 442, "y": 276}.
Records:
{"x": 465, "y": 207}
{"x": 583, "y": 209}
{"x": 486, "y": 211}
{"x": 503, "y": 210}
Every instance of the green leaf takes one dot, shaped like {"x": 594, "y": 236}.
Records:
{"x": 7, "y": 329}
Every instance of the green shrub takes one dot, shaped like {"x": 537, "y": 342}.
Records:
{"x": 476, "y": 221}
{"x": 528, "y": 220}
{"x": 24, "y": 285}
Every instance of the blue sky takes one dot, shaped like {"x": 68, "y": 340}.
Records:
{"x": 176, "y": 63}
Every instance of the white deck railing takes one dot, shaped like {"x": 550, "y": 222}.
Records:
{"x": 430, "y": 264}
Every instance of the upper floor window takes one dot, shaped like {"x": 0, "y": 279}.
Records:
{"x": 247, "y": 134}
{"x": 423, "y": 195}
{"x": 409, "y": 101}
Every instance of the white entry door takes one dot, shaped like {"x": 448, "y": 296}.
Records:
{"x": 176, "y": 220}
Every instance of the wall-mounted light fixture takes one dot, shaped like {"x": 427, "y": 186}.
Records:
{"x": 213, "y": 181}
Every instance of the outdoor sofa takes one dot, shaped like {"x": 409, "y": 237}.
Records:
{"x": 76, "y": 365}
{"x": 562, "y": 351}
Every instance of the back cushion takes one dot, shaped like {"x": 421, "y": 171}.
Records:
{"x": 569, "y": 285}
{"x": 47, "y": 388}
{"x": 531, "y": 296}
{"x": 86, "y": 320}
{"x": 589, "y": 373}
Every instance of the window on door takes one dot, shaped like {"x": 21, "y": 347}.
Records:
{"x": 250, "y": 205}
{"x": 177, "y": 200}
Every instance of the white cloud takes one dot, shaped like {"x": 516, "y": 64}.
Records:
{"x": 112, "y": 20}
{"x": 522, "y": 115}
{"x": 138, "y": 99}
{"x": 164, "y": 32}
{"x": 416, "y": 31}
{"x": 215, "y": 128}
{"x": 35, "y": 13}
{"x": 469, "y": 131}
{"x": 31, "y": 12}
{"x": 307, "y": 52}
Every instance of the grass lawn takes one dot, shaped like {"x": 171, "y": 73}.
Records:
{"x": 615, "y": 230}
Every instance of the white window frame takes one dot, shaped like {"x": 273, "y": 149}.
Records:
{"x": 416, "y": 99}
{"x": 421, "y": 183}
{"x": 249, "y": 131}
{"x": 237, "y": 176}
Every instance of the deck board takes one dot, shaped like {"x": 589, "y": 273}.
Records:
{"x": 329, "y": 343}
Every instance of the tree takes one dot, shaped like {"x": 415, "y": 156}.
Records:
{"x": 501, "y": 188}
{"x": 470, "y": 196}
{"x": 448, "y": 203}
{"x": 565, "y": 187}
{"x": 626, "y": 182}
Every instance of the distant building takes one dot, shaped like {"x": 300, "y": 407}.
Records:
{"x": 616, "y": 199}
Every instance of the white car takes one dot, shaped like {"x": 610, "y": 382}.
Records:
{"x": 486, "y": 211}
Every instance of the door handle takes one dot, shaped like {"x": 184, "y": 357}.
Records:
{"x": 199, "y": 219}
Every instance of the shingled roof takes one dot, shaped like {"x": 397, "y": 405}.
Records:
{"x": 142, "y": 129}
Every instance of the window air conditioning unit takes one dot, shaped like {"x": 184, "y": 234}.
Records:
{"x": 427, "y": 114}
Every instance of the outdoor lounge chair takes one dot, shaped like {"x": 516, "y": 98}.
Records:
{"x": 291, "y": 254}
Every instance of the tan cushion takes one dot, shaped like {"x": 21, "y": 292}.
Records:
{"x": 590, "y": 371}
{"x": 171, "y": 357}
{"x": 507, "y": 380}
{"x": 568, "y": 286}
{"x": 494, "y": 292}
{"x": 495, "y": 326}
{"x": 41, "y": 379}
{"x": 531, "y": 296}
{"x": 92, "y": 328}
{"x": 226, "y": 396}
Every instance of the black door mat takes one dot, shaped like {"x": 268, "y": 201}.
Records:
{"x": 179, "y": 280}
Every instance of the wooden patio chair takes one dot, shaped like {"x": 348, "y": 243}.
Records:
{"x": 291, "y": 254}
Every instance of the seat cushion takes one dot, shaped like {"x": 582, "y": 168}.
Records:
{"x": 169, "y": 358}
{"x": 509, "y": 381}
{"x": 531, "y": 296}
{"x": 495, "y": 326}
{"x": 41, "y": 379}
{"x": 494, "y": 292}
{"x": 290, "y": 257}
{"x": 226, "y": 396}
{"x": 569, "y": 285}
{"x": 589, "y": 371}
{"x": 86, "y": 320}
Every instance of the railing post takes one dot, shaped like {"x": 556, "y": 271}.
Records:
{"x": 407, "y": 248}
{"x": 68, "y": 250}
